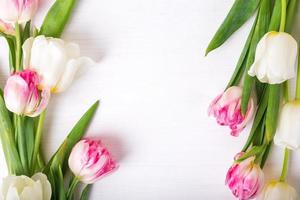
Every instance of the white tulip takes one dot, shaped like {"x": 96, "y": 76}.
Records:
{"x": 278, "y": 191}
{"x": 24, "y": 188}
{"x": 288, "y": 129}
{"x": 55, "y": 60}
{"x": 275, "y": 58}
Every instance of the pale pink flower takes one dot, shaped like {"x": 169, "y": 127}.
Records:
{"x": 20, "y": 11}
{"x": 22, "y": 96}
{"x": 245, "y": 179}
{"x": 226, "y": 108}
{"x": 90, "y": 161}
{"x": 6, "y": 28}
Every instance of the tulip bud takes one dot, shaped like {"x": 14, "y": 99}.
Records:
{"x": 226, "y": 108}
{"x": 275, "y": 58}
{"x": 13, "y": 11}
{"x": 245, "y": 179}
{"x": 23, "y": 188}
{"x": 278, "y": 191}
{"x": 6, "y": 28}
{"x": 22, "y": 96}
{"x": 90, "y": 161}
{"x": 54, "y": 60}
{"x": 288, "y": 129}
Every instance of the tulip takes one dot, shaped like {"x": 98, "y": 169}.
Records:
{"x": 23, "y": 188}
{"x": 22, "y": 96}
{"x": 288, "y": 129}
{"x": 226, "y": 108}
{"x": 245, "y": 179}
{"x": 55, "y": 61}
{"x": 275, "y": 58}
{"x": 20, "y": 11}
{"x": 90, "y": 161}
{"x": 278, "y": 191}
{"x": 6, "y": 28}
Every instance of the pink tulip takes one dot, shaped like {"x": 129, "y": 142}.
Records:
{"x": 20, "y": 11}
{"x": 226, "y": 108}
{"x": 90, "y": 161}
{"x": 6, "y": 28}
{"x": 22, "y": 96}
{"x": 245, "y": 179}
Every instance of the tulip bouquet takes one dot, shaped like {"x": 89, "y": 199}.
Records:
{"x": 40, "y": 65}
{"x": 260, "y": 88}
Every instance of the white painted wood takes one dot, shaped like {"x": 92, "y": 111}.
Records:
{"x": 155, "y": 85}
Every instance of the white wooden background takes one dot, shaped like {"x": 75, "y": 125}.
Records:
{"x": 155, "y": 85}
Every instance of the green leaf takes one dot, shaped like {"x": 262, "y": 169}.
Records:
{"x": 12, "y": 53}
{"x": 57, "y": 18}
{"x": 59, "y": 158}
{"x": 21, "y": 141}
{"x": 240, "y": 12}
{"x": 85, "y": 192}
{"x": 60, "y": 185}
{"x": 255, "y": 150}
{"x": 56, "y": 180}
{"x": 40, "y": 161}
{"x": 52, "y": 179}
{"x": 265, "y": 155}
{"x": 262, "y": 106}
{"x": 260, "y": 88}
{"x": 26, "y": 31}
{"x": 273, "y": 110}
{"x": 276, "y": 15}
{"x": 241, "y": 65}
{"x": 259, "y": 133}
{"x": 29, "y": 130}
{"x": 291, "y": 10}
{"x": 8, "y": 143}
{"x": 260, "y": 29}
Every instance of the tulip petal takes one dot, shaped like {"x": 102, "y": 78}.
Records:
{"x": 28, "y": 9}
{"x": 287, "y": 133}
{"x": 12, "y": 194}
{"x": 16, "y": 93}
{"x": 54, "y": 60}
{"x": 20, "y": 11}
{"x": 41, "y": 106}
{"x": 90, "y": 161}
{"x": 72, "y": 67}
{"x": 75, "y": 158}
{"x": 25, "y": 188}
{"x": 48, "y": 58}
{"x": 9, "y": 11}
{"x": 32, "y": 192}
{"x": 46, "y": 187}
{"x": 275, "y": 58}
{"x": 226, "y": 108}
{"x": 245, "y": 179}
{"x": 278, "y": 191}
{"x": 27, "y": 52}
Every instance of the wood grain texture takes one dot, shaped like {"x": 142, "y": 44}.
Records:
{"x": 155, "y": 86}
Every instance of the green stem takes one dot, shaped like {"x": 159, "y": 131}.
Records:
{"x": 37, "y": 140}
{"x": 72, "y": 187}
{"x": 285, "y": 165}
{"x": 283, "y": 16}
{"x": 18, "y": 47}
{"x": 274, "y": 101}
{"x": 286, "y": 86}
{"x": 22, "y": 147}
